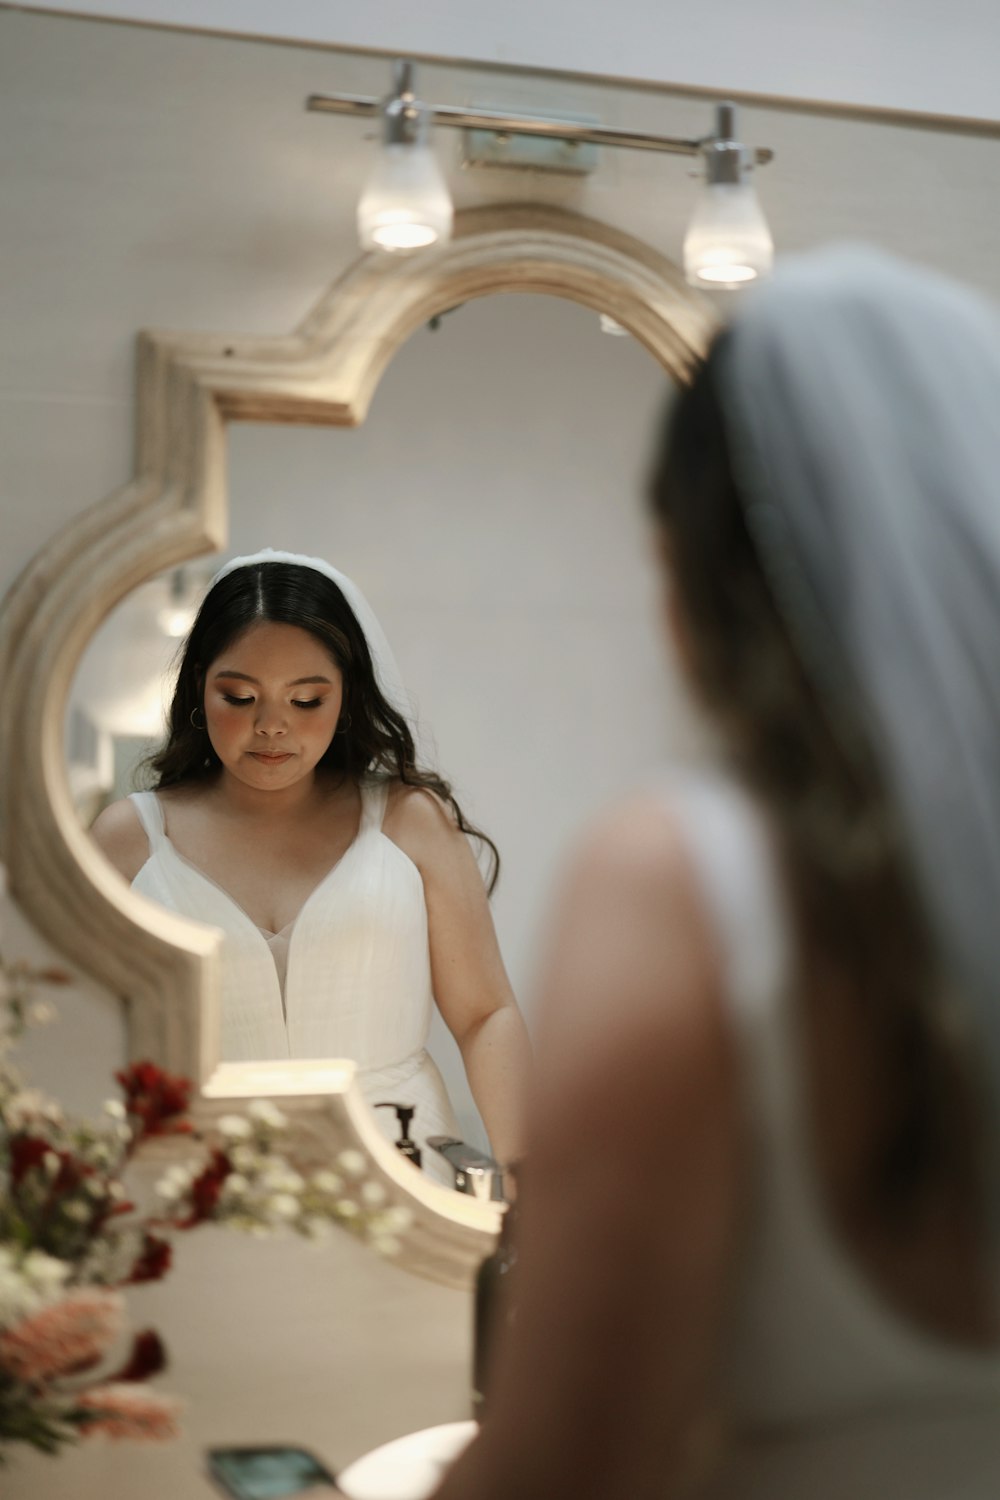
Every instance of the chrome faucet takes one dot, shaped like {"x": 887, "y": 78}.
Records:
{"x": 476, "y": 1173}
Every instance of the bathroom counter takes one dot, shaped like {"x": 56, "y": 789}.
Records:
{"x": 326, "y": 1347}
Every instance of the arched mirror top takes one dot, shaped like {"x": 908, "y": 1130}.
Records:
{"x": 176, "y": 508}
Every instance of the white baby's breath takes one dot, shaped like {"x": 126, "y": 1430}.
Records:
{"x": 284, "y": 1207}
{"x": 373, "y": 1194}
{"x": 352, "y": 1163}
{"x": 266, "y": 1113}
{"x": 327, "y": 1182}
{"x": 397, "y": 1217}
{"x": 235, "y": 1128}
{"x": 385, "y": 1244}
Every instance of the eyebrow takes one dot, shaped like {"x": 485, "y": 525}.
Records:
{"x": 245, "y": 677}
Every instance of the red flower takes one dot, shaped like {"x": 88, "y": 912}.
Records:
{"x": 154, "y": 1260}
{"x": 148, "y": 1358}
{"x": 26, "y": 1152}
{"x": 158, "y": 1100}
{"x": 206, "y": 1188}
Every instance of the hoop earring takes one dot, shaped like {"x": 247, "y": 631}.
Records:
{"x": 344, "y": 723}
{"x": 193, "y": 723}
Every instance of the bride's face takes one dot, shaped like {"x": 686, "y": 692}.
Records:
{"x": 272, "y": 700}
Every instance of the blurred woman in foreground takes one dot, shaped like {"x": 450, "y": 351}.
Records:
{"x": 760, "y": 1213}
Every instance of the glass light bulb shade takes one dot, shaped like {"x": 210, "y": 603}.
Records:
{"x": 406, "y": 204}
{"x": 176, "y": 620}
{"x": 728, "y": 242}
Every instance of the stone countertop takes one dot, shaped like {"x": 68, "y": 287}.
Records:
{"x": 326, "y": 1347}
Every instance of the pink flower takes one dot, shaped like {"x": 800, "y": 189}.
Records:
{"x": 71, "y": 1334}
{"x": 127, "y": 1411}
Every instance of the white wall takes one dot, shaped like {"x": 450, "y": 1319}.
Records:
{"x": 893, "y": 54}
{"x": 161, "y": 179}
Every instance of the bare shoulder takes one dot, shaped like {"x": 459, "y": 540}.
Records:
{"x": 632, "y": 949}
{"x": 422, "y": 824}
{"x": 419, "y": 809}
{"x": 120, "y": 836}
{"x": 635, "y": 850}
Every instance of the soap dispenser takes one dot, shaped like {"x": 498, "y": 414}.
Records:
{"x": 404, "y": 1114}
{"x": 494, "y": 1302}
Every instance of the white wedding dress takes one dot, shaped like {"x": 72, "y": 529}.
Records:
{"x": 349, "y": 978}
{"x": 831, "y": 1395}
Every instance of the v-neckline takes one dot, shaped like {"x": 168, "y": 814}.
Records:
{"x": 289, "y": 927}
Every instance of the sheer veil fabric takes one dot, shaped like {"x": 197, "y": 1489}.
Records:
{"x": 862, "y": 403}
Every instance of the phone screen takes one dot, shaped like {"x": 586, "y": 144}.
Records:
{"x": 266, "y": 1473}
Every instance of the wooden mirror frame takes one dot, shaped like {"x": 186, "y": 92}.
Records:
{"x": 176, "y": 508}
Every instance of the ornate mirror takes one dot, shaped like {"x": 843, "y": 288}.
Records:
{"x": 174, "y": 510}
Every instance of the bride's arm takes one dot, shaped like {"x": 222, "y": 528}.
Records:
{"x": 470, "y": 983}
{"x": 630, "y": 1199}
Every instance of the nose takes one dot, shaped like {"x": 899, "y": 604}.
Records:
{"x": 270, "y": 720}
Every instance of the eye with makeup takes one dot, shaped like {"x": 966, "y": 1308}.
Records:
{"x": 235, "y": 702}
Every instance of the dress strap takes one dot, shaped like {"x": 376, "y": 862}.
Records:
{"x": 374, "y": 797}
{"x": 150, "y": 815}
{"x": 736, "y": 866}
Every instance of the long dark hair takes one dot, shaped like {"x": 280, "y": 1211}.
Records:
{"x": 858, "y": 918}
{"x": 371, "y": 735}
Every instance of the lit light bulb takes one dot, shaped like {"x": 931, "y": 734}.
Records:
{"x": 728, "y": 242}
{"x": 406, "y": 204}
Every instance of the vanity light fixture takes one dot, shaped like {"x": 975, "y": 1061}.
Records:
{"x": 177, "y": 615}
{"x": 185, "y": 593}
{"x": 728, "y": 242}
{"x": 406, "y": 205}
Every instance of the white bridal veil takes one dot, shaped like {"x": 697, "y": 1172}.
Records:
{"x": 862, "y": 401}
{"x": 386, "y": 671}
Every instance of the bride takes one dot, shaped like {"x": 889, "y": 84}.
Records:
{"x": 289, "y": 811}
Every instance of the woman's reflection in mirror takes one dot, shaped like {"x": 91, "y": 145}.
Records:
{"x": 288, "y": 807}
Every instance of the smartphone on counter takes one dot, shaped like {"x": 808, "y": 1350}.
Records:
{"x": 269, "y": 1473}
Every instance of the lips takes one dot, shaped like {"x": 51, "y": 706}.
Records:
{"x": 270, "y": 760}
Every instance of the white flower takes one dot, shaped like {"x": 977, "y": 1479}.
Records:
{"x": 266, "y": 1113}
{"x": 29, "y": 1105}
{"x": 174, "y": 1183}
{"x": 78, "y": 1212}
{"x": 114, "y": 1109}
{"x": 373, "y": 1194}
{"x": 244, "y": 1158}
{"x": 385, "y": 1244}
{"x": 51, "y": 1164}
{"x": 95, "y": 1187}
{"x": 281, "y": 1179}
{"x": 284, "y": 1206}
{"x": 44, "y": 1272}
{"x": 327, "y": 1182}
{"x": 235, "y": 1185}
{"x": 42, "y": 1012}
{"x": 346, "y": 1209}
{"x": 315, "y": 1227}
{"x": 397, "y": 1217}
{"x": 352, "y": 1163}
{"x": 235, "y": 1128}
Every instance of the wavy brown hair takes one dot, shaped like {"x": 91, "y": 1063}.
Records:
{"x": 371, "y": 735}
{"x": 862, "y": 937}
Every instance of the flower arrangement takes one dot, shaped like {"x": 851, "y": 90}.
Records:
{"x": 71, "y": 1240}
